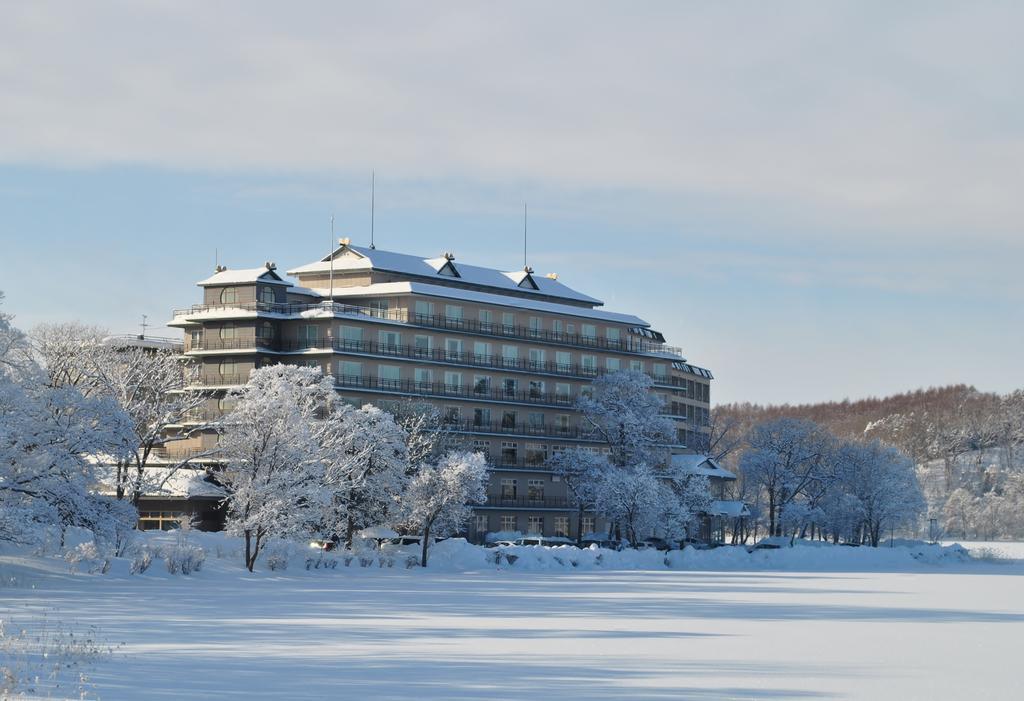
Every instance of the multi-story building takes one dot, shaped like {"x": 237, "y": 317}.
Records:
{"x": 504, "y": 355}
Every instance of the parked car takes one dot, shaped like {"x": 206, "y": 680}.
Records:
{"x": 546, "y": 541}
{"x": 655, "y": 543}
{"x": 606, "y": 544}
{"x": 771, "y": 543}
{"x": 322, "y": 544}
{"x": 697, "y": 544}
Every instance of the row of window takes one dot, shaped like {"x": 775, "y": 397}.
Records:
{"x": 264, "y": 293}
{"x": 509, "y": 320}
{"x": 532, "y": 525}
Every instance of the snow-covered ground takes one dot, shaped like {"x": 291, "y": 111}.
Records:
{"x": 841, "y": 623}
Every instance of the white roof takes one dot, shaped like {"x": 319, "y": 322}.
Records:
{"x": 733, "y": 509}
{"x": 690, "y": 464}
{"x": 423, "y": 288}
{"x": 375, "y": 259}
{"x": 242, "y": 275}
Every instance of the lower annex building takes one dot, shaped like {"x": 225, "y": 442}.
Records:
{"x": 503, "y": 355}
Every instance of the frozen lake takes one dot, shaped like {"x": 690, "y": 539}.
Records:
{"x": 941, "y": 632}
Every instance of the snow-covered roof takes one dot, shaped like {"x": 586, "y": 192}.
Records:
{"x": 730, "y": 508}
{"x": 137, "y": 341}
{"x": 265, "y": 274}
{"x": 690, "y": 464}
{"x": 383, "y": 289}
{"x": 350, "y": 257}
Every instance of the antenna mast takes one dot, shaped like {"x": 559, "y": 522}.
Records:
{"x": 144, "y": 326}
{"x": 524, "y": 236}
{"x": 332, "y": 259}
{"x": 373, "y": 188}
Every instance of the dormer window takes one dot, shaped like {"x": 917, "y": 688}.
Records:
{"x": 448, "y": 270}
{"x": 267, "y": 294}
{"x": 528, "y": 282}
{"x": 229, "y": 295}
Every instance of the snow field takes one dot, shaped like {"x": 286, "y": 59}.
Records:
{"x": 805, "y": 628}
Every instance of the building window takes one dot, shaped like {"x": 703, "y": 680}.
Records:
{"x": 589, "y": 364}
{"x": 536, "y": 419}
{"x": 227, "y": 332}
{"x": 536, "y": 358}
{"x": 453, "y": 381}
{"x": 352, "y": 336}
{"x": 508, "y": 419}
{"x": 563, "y": 391}
{"x": 509, "y": 488}
{"x": 453, "y": 348}
{"x": 587, "y": 525}
{"x": 536, "y": 454}
{"x": 510, "y": 386}
{"x": 310, "y": 334}
{"x": 563, "y": 361}
{"x": 421, "y": 344}
{"x": 453, "y": 311}
{"x": 508, "y": 524}
{"x": 197, "y": 339}
{"x": 510, "y": 355}
{"x": 536, "y": 389}
{"x": 265, "y": 331}
{"x": 562, "y": 423}
{"x": 267, "y": 294}
{"x": 509, "y": 452}
{"x": 508, "y": 322}
{"x": 389, "y": 376}
{"x": 482, "y": 417}
{"x": 612, "y": 334}
{"x": 535, "y": 525}
{"x": 378, "y": 308}
{"x": 611, "y": 364}
{"x": 389, "y": 340}
{"x": 636, "y": 365}
{"x": 484, "y": 447}
{"x": 226, "y": 405}
{"x": 228, "y": 295}
{"x": 588, "y": 331}
{"x": 535, "y": 490}
{"x": 424, "y": 309}
{"x": 486, "y": 319}
{"x": 481, "y": 384}
{"x": 660, "y": 371}
{"x": 452, "y": 415}
{"x": 534, "y": 325}
{"x": 558, "y": 327}
{"x": 350, "y": 372}
{"x": 160, "y": 520}
{"x": 423, "y": 378}
{"x": 481, "y": 352}
{"x": 562, "y": 526}
{"x": 228, "y": 368}
{"x": 480, "y": 524}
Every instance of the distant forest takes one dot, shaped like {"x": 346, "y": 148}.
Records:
{"x": 968, "y": 445}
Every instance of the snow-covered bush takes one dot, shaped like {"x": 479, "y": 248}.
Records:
{"x": 87, "y": 558}
{"x": 183, "y": 557}
{"x": 142, "y": 558}
{"x": 278, "y": 557}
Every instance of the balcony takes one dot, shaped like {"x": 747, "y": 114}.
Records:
{"x": 497, "y": 501}
{"x": 439, "y": 389}
{"x": 445, "y": 323}
{"x": 501, "y": 428}
{"x": 432, "y": 355}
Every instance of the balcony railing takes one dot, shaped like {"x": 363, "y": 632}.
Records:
{"x": 438, "y": 355}
{"x": 629, "y": 345}
{"x": 440, "y": 389}
{"x": 498, "y": 501}
{"x": 521, "y": 429}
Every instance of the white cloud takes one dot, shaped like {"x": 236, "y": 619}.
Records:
{"x": 869, "y": 117}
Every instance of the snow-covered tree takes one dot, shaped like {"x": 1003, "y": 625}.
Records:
{"x": 784, "y": 458}
{"x": 439, "y": 499}
{"x": 688, "y": 497}
{"x": 624, "y": 414}
{"x": 635, "y": 499}
{"x": 375, "y": 472}
{"x": 581, "y": 472}
{"x": 884, "y": 483}
{"x": 271, "y": 450}
{"x": 48, "y": 439}
{"x": 146, "y": 383}
{"x": 428, "y": 435}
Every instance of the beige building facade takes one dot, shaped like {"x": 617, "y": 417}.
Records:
{"x": 503, "y": 355}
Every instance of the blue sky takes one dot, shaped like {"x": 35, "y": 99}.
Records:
{"x": 814, "y": 201}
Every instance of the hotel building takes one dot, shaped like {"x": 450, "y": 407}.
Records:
{"x": 503, "y": 355}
